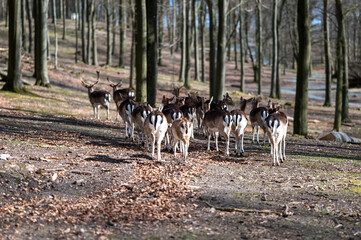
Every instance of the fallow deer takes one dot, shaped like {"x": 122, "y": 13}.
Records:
{"x": 218, "y": 121}
{"x": 139, "y": 115}
{"x": 97, "y": 98}
{"x": 171, "y": 112}
{"x": 276, "y": 128}
{"x": 257, "y": 117}
{"x": 239, "y": 124}
{"x": 222, "y": 104}
{"x": 125, "y": 111}
{"x": 155, "y": 127}
{"x": 181, "y": 132}
{"x": 120, "y": 95}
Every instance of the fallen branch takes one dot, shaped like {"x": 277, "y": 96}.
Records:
{"x": 244, "y": 210}
{"x": 81, "y": 172}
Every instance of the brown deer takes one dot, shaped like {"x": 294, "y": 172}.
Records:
{"x": 276, "y": 128}
{"x": 218, "y": 121}
{"x": 97, "y": 98}
{"x": 181, "y": 132}
{"x": 120, "y": 95}
{"x": 139, "y": 115}
{"x": 155, "y": 127}
{"x": 257, "y": 117}
{"x": 125, "y": 111}
{"x": 222, "y": 104}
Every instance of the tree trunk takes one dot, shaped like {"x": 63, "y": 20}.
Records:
{"x": 83, "y": 32}
{"x": 221, "y": 49}
{"x": 76, "y": 31}
{"x": 23, "y": 27}
{"x": 259, "y": 47}
{"x": 235, "y": 42}
{"x": 109, "y": 40}
{"x": 174, "y": 25}
{"x": 56, "y": 38}
{"x": 94, "y": 35}
{"x": 202, "y": 20}
{"x": 30, "y": 24}
{"x": 88, "y": 17}
{"x": 63, "y": 4}
{"x": 161, "y": 32}
{"x": 279, "y": 20}
{"x": 41, "y": 28}
{"x": 132, "y": 50}
{"x": 113, "y": 28}
{"x": 326, "y": 39}
{"x": 188, "y": 47}
{"x": 141, "y": 52}
{"x": 301, "y": 100}
{"x": 241, "y": 44}
{"x": 14, "y": 79}
{"x": 121, "y": 32}
{"x": 152, "y": 52}
{"x": 212, "y": 50}
{"x": 345, "y": 115}
{"x": 184, "y": 46}
{"x": 196, "y": 58}
{"x": 275, "y": 50}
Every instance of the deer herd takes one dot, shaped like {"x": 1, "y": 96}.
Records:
{"x": 174, "y": 120}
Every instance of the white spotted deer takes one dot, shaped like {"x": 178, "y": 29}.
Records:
{"x": 239, "y": 124}
{"x": 218, "y": 121}
{"x": 119, "y": 95}
{"x": 155, "y": 127}
{"x": 139, "y": 115}
{"x": 171, "y": 112}
{"x": 276, "y": 128}
{"x": 257, "y": 117}
{"x": 181, "y": 132}
{"x": 125, "y": 111}
{"x": 97, "y": 98}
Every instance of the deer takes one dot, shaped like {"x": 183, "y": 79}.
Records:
{"x": 120, "y": 95}
{"x": 276, "y": 128}
{"x": 222, "y": 104}
{"x": 171, "y": 112}
{"x": 98, "y": 98}
{"x": 181, "y": 132}
{"x": 218, "y": 121}
{"x": 239, "y": 124}
{"x": 125, "y": 111}
{"x": 139, "y": 114}
{"x": 155, "y": 127}
{"x": 257, "y": 117}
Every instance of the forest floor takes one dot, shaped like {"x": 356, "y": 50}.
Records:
{"x": 65, "y": 175}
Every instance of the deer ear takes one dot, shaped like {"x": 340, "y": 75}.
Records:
{"x": 160, "y": 108}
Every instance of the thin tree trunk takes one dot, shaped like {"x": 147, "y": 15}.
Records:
{"x": 301, "y": 99}
{"x": 113, "y": 29}
{"x": 30, "y": 24}
{"x": 23, "y": 27}
{"x": 174, "y": 25}
{"x": 202, "y": 19}
{"x": 188, "y": 41}
{"x": 132, "y": 50}
{"x": 76, "y": 31}
{"x": 345, "y": 83}
{"x": 152, "y": 73}
{"x": 161, "y": 33}
{"x": 275, "y": 50}
{"x": 42, "y": 78}
{"x": 14, "y": 79}
{"x": 279, "y": 20}
{"x": 235, "y": 42}
{"x": 184, "y": 46}
{"x": 326, "y": 39}
{"x": 94, "y": 35}
{"x": 221, "y": 49}
{"x": 241, "y": 44}
{"x": 64, "y": 14}
{"x": 121, "y": 32}
{"x": 56, "y": 38}
{"x": 212, "y": 50}
{"x": 196, "y": 58}
{"x": 259, "y": 47}
{"x": 83, "y": 32}
{"x": 141, "y": 54}
{"x": 109, "y": 21}
{"x": 88, "y": 17}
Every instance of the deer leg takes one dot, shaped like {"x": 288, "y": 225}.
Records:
{"x": 241, "y": 143}
{"x": 264, "y": 137}
{"x": 209, "y": 141}
{"x": 253, "y": 133}
{"x": 284, "y": 149}
{"x": 216, "y": 136}
{"x": 227, "y": 144}
{"x": 107, "y": 112}
{"x": 158, "y": 149}
{"x": 257, "y": 134}
{"x": 98, "y": 107}
{"x": 126, "y": 129}
{"x": 153, "y": 144}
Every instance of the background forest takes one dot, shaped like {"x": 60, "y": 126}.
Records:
{"x": 64, "y": 173}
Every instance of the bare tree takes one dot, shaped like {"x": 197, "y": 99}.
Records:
{"x": 326, "y": 41}
{"x": 56, "y": 37}
{"x": 30, "y": 24}
{"x": 196, "y": 65}
{"x": 152, "y": 72}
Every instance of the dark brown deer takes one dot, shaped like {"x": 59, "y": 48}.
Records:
{"x": 239, "y": 124}
{"x": 119, "y": 95}
{"x": 257, "y": 117}
{"x": 97, "y": 98}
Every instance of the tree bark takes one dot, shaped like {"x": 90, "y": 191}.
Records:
{"x": 301, "y": 100}
{"x": 345, "y": 114}
{"x": 275, "y": 50}
{"x": 23, "y": 27}
{"x": 109, "y": 40}
{"x": 121, "y": 32}
{"x": 174, "y": 25}
{"x": 241, "y": 44}
{"x": 152, "y": 52}
{"x": 64, "y": 17}
{"x": 141, "y": 51}
{"x": 212, "y": 50}
{"x": 196, "y": 58}
{"x": 88, "y": 17}
{"x": 76, "y": 30}
{"x": 235, "y": 42}
{"x": 326, "y": 39}
{"x": 184, "y": 46}
{"x": 30, "y": 24}
{"x": 56, "y": 37}
{"x": 188, "y": 44}
{"x": 41, "y": 28}
{"x": 221, "y": 49}
{"x": 132, "y": 50}
{"x": 259, "y": 47}
{"x": 14, "y": 79}
{"x": 94, "y": 35}
{"x": 83, "y": 32}
{"x": 114, "y": 19}
{"x": 202, "y": 20}
{"x": 161, "y": 32}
